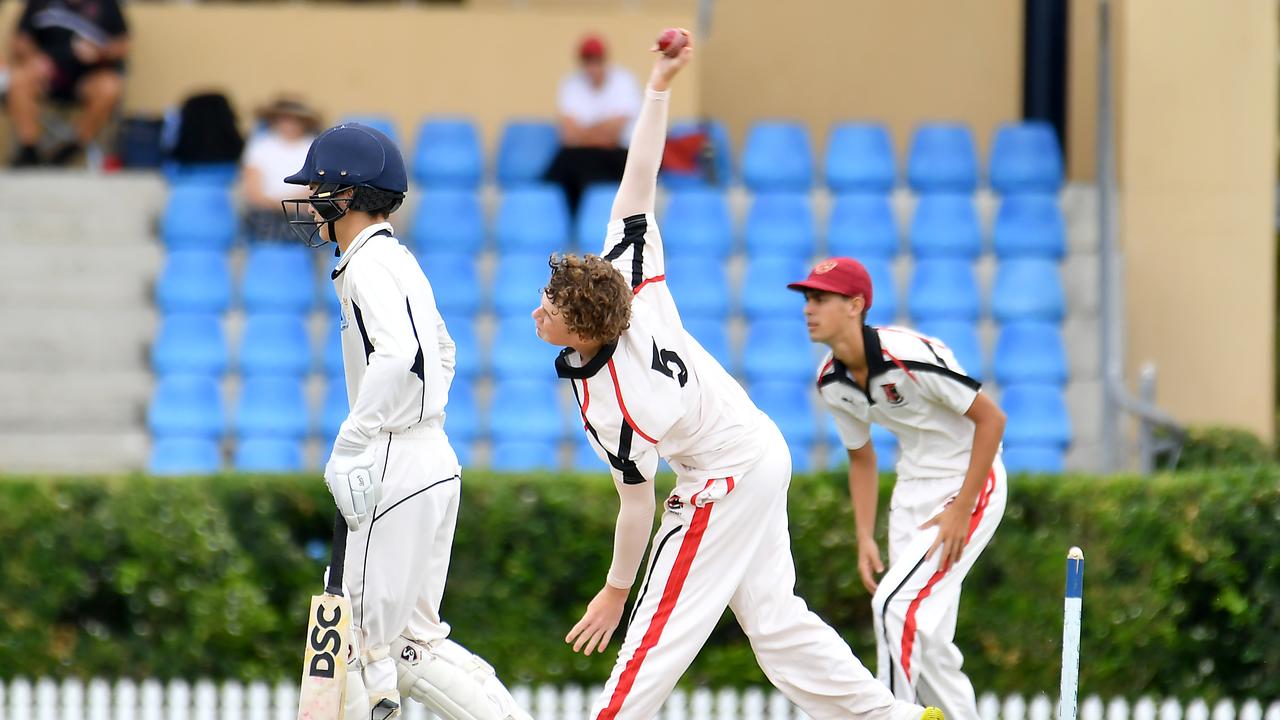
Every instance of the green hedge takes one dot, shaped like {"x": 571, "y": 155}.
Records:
{"x": 210, "y": 577}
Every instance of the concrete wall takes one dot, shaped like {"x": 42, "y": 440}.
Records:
{"x": 1197, "y": 161}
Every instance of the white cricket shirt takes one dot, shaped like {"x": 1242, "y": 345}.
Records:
{"x": 656, "y": 391}
{"x": 398, "y": 356}
{"x": 915, "y": 389}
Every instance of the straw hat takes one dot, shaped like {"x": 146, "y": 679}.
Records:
{"x": 290, "y": 106}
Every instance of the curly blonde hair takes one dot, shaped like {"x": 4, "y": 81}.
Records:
{"x": 593, "y": 296}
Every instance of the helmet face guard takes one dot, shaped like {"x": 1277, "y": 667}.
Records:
{"x": 328, "y": 210}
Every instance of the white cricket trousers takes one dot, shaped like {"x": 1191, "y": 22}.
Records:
{"x": 724, "y": 542}
{"x": 915, "y": 604}
{"x": 397, "y": 563}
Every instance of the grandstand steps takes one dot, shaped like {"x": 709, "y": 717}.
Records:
{"x": 74, "y": 371}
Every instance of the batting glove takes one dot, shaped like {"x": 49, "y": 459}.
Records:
{"x": 355, "y": 487}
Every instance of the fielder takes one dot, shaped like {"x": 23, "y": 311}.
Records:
{"x": 646, "y": 388}
{"x": 951, "y": 488}
{"x": 392, "y": 472}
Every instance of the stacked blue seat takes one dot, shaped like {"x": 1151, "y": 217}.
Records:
{"x": 884, "y": 298}
{"x": 275, "y": 344}
{"x": 714, "y": 166}
{"x": 448, "y": 153}
{"x": 190, "y": 343}
{"x": 945, "y": 225}
{"x": 455, "y": 282}
{"x": 527, "y": 428}
{"x": 944, "y": 289}
{"x": 778, "y": 350}
{"x": 696, "y": 224}
{"x": 764, "y": 293}
{"x": 532, "y": 219}
{"x": 447, "y": 221}
{"x": 278, "y": 279}
{"x": 701, "y": 289}
{"x": 859, "y": 159}
{"x": 942, "y": 159}
{"x": 198, "y": 216}
{"x": 862, "y": 226}
{"x": 186, "y": 419}
{"x": 382, "y": 123}
{"x": 781, "y": 224}
{"x": 594, "y": 211}
{"x": 787, "y": 403}
{"x": 961, "y": 337}
{"x": 194, "y": 281}
{"x": 525, "y": 151}
{"x": 777, "y": 157}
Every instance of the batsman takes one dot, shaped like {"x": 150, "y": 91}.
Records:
{"x": 392, "y": 472}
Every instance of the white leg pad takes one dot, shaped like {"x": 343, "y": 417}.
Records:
{"x": 452, "y": 682}
{"x": 357, "y": 701}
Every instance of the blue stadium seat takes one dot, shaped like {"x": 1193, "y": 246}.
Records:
{"x": 801, "y": 456}
{"x": 700, "y": 292}
{"x": 275, "y": 344}
{"x": 462, "y": 419}
{"x": 525, "y": 410}
{"x": 696, "y": 223}
{"x": 448, "y": 153}
{"x": 945, "y": 225}
{"x": 717, "y": 166}
{"x": 517, "y": 280}
{"x": 584, "y": 456}
{"x": 1033, "y": 459}
{"x": 194, "y": 281}
{"x": 944, "y": 290}
{"x": 278, "y": 278}
{"x": 862, "y": 226}
{"x": 713, "y": 336}
{"x": 884, "y": 292}
{"x": 198, "y": 216}
{"x": 1037, "y": 420}
{"x": 592, "y": 223}
{"x": 781, "y": 224}
{"x": 1028, "y": 290}
{"x": 454, "y": 282}
{"x": 525, "y": 151}
{"x": 382, "y": 123}
{"x": 860, "y": 159}
{"x": 777, "y": 351}
{"x": 777, "y": 157}
{"x": 764, "y": 290}
{"x": 447, "y": 221}
{"x": 1030, "y": 225}
{"x": 216, "y": 174}
{"x": 188, "y": 406}
{"x": 470, "y": 361}
{"x": 514, "y": 455}
{"x": 184, "y": 456}
{"x": 942, "y": 159}
{"x": 787, "y": 404}
{"x": 518, "y": 352}
{"x": 333, "y": 409}
{"x": 190, "y": 343}
{"x": 272, "y": 406}
{"x": 962, "y": 339}
{"x": 1025, "y": 157}
{"x": 1030, "y": 352}
{"x": 533, "y": 219}
{"x": 268, "y": 455}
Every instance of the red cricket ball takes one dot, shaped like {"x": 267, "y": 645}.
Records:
{"x": 672, "y": 41}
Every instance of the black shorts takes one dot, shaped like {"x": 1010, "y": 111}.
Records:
{"x": 67, "y": 75}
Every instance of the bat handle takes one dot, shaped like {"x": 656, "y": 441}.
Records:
{"x": 337, "y": 555}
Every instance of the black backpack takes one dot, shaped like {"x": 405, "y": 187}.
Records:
{"x": 207, "y": 131}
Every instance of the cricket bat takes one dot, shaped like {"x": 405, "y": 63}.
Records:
{"x": 324, "y": 664}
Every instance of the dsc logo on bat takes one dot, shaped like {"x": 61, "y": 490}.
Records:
{"x": 326, "y": 641}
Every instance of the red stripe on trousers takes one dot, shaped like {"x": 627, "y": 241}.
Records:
{"x": 909, "y": 624}
{"x": 675, "y": 581}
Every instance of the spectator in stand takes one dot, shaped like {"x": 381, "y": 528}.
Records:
{"x": 69, "y": 51}
{"x": 596, "y": 106}
{"x": 273, "y": 153}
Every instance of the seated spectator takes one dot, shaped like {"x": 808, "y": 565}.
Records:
{"x": 596, "y": 106}
{"x": 272, "y": 154}
{"x": 69, "y": 51}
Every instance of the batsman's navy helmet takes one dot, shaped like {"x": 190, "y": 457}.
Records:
{"x": 350, "y": 156}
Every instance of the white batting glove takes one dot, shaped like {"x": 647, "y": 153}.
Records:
{"x": 355, "y": 487}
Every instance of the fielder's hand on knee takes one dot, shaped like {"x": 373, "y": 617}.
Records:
{"x": 355, "y": 487}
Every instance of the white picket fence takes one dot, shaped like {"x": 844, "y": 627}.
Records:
{"x": 178, "y": 700}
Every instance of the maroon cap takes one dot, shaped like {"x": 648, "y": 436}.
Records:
{"x": 842, "y": 276}
{"x": 591, "y": 48}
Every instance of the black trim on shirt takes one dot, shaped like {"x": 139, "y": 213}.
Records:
{"x": 621, "y": 462}
{"x": 364, "y": 334}
{"x": 944, "y": 371}
{"x": 877, "y": 365}
{"x": 634, "y": 229}
{"x": 418, "y": 367}
{"x": 592, "y": 366}
{"x": 338, "y": 271}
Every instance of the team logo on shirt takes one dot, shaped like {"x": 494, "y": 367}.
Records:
{"x": 342, "y": 316}
{"x": 891, "y": 394}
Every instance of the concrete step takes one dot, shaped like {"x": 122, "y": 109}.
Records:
{"x": 85, "y": 340}
{"x": 73, "y": 402}
{"x": 93, "y": 209}
{"x": 63, "y": 452}
{"x": 67, "y": 275}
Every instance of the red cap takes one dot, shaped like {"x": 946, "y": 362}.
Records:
{"x": 592, "y": 48}
{"x": 842, "y": 276}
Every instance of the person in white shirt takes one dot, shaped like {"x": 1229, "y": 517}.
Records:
{"x": 596, "y": 106}
{"x": 646, "y": 389}
{"x": 271, "y": 154}
{"x": 951, "y": 488}
{"x": 391, "y": 468}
